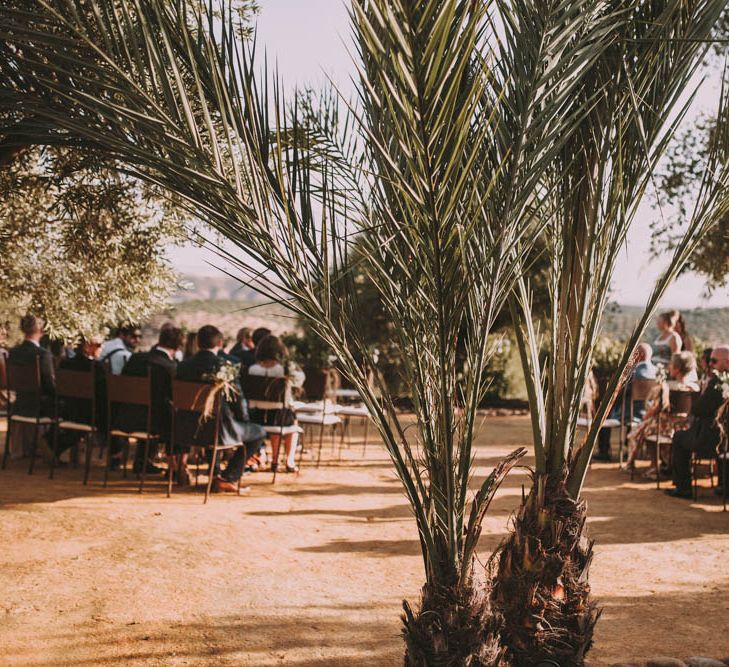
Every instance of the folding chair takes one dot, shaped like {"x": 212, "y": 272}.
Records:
{"x": 269, "y": 393}
{"x": 190, "y": 397}
{"x": 128, "y": 390}
{"x": 26, "y": 379}
{"x": 76, "y": 385}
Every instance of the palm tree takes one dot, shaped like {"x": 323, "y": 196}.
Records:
{"x": 597, "y": 181}
{"x": 438, "y": 172}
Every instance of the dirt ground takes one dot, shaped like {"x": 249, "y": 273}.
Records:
{"x": 312, "y": 571}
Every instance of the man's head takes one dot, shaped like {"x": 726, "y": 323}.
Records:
{"x": 244, "y": 338}
{"x": 32, "y": 327}
{"x": 209, "y": 338}
{"x": 90, "y": 347}
{"x": 170, "y": 338}
{"x": 720, "y": 358}
{"x": 643, "y": 352}
{"x": 131, "y": 335}
{"x": 259, "y": 334}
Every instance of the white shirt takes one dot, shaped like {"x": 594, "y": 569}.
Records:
{"x": 119, "y": 358}
{"x": 296, "y": 377}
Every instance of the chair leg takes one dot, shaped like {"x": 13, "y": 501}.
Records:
{"x": 89, "y": 453}
{"x": 108, "y": 460}
{"x": 33, "y": 449}
{"x": 170, "y": 460}
{"x": 6, "y": 453}
{"x": 144, "y": 464}
{"x": 657, "y": 462}
{"x": 694, "y": 479}
{"x": 125, "y": 457}
{"x": 54, "y": 453}
{"x": 211, "y": 474}
{"x": 318, "y": 457}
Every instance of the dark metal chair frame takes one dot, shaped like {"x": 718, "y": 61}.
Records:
{"x": 128, "y": 390}
{"x": 79, "y": 385}
{"x": 268, "y": 393}
{"x": 24, "y": 377}
{"x": 190, "y": 397}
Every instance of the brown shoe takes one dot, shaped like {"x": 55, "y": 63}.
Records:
{"x": 221, "y": 486}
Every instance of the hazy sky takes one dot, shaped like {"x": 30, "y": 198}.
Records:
{"x": 308, "y": 40}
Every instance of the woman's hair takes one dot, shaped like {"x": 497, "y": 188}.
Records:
{"x": 684, "y": 362}
{"x": 271, "y": 348}
{"x": 670, "y": 317}
{"x": 191, "y": 346}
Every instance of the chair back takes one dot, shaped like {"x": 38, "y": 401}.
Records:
{"x": 641, "y": 389}
{"x": 127, "y": 389}
{"x": 192, "y": 396}
{"x": 264, "y": 393}
{"x": 3, "y": 372}
{"x": 76, "y": 384}
{"x": 24, "y": 377}
{"x": 320, "y": 383}
{"x": 681, "y": 401}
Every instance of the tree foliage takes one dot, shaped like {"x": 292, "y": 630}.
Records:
{"x": 679, "y": 178}
{"x": 83, "y": 246}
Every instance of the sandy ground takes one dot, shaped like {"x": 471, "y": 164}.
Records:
{"x": 312, "y": 571}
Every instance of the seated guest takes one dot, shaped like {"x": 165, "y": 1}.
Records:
{"x": 85, "y": 358}
{"x": 26, "y": 354}
{"x": 705, "y": 372}
{"x": 235, "y": 426}
{"x": 116, "y": 352}
{"x": 248, "y": 357}
{"x": 668, "y": 341}
{"x": 687, "y": 343}
{"x": 243, "y": 343}
{"x": 272, "y": 361}
{"x": 658, "y": 415}
{"x": 642, "y": 370}
{"x": 160, "y": 363}
{"x": 703, "y": 436}
{"x": 171, "y": 325}
{"x": 26, "y": 402}
{"x": 190, "y": 348}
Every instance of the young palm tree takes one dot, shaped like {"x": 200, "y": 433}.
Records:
{"x": 463, "y": 107}
{"x": 596, "y": 184}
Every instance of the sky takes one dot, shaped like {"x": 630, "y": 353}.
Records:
{"x": 307, "y": 39}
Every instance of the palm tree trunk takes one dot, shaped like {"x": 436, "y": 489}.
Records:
{"x": 541, "y": 588}
{"x": 454, "y": 627}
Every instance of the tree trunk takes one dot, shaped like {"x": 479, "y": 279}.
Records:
{"x": 541, "y": 587}
{"x": 455, "y": 627}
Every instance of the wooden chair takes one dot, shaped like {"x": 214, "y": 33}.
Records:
{"x": 191, "y": 397}
{"x": 269, "y": 393}
{"x": 75, "y": 385}
{"x": 680, "y": 402}
{"x": 128, "y": 390}
{"x": 25, "y": 378}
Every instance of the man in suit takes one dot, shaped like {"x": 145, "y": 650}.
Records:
{"x": 235, "y": 427}
{"x": 248, "y": 357}
{"x": 243, "y": 343}
{"x": 703, "y": 436}
{"x": 161, "y": 365}
{"x": 26, "y": 354}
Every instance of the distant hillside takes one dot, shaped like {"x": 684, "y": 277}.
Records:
{"x": 230, "y": 305}
{"x": 710, "y": 325}
{"x": 205, "y": 288}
